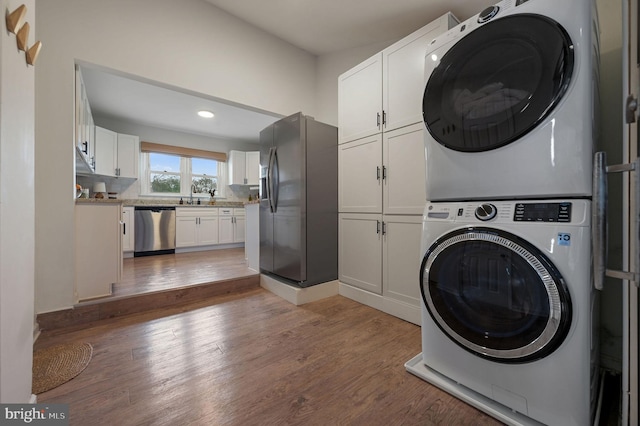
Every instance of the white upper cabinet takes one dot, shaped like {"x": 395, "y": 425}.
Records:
{"x": 385, "y": 92}
{"x": 244, "y": 167}
{"x": 403, "y": 72}
{"x": 84, "y": 128}
{"x": 116, "y": 154}
{"x": 360, "y": 100}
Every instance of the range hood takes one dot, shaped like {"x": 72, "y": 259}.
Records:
{"x": 82, "y": 165}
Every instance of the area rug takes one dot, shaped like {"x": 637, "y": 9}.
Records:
{"x": 58, "y": 364}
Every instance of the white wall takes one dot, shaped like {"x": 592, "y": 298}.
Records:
{"x": 188, "y": 44}
{"x": 16, "y": 212}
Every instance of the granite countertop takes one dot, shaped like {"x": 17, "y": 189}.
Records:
{"x": 157, "y": 202}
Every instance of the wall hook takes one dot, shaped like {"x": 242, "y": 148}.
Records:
{"x": 14, "y": 19}
{"x": 22, "y": 36}
{"x": 33, "y": 52}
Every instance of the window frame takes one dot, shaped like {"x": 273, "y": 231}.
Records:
{"x": 186, "y": 178}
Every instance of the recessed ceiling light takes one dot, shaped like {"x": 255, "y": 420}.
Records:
{"x": 205, "y": 114}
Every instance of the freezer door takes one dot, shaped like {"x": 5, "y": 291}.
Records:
{"x": 266, "y": 216}
{"x": 289, "y": 226}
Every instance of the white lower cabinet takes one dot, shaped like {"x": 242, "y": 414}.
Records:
{"x": 128, "y": 231}
{"x": 231, "y": 225}
{"x": 379, "y": 262}
{"x": 360, "y": 250}
{"x": 98, "y": 249}
{"x": 196, "y": 227}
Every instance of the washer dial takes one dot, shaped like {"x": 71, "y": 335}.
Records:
{"x": 486, "y": 212}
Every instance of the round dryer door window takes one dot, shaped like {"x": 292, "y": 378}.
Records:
{"x": 495, "y": 295}
{"x": 498, "y": 83}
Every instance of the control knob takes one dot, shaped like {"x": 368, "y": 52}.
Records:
{"x": 487, "y": 14}
{"x": 486, "y": 211}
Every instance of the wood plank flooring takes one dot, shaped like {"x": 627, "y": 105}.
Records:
{"x": 169, "y": 271}
{"x": 254, "y": 359}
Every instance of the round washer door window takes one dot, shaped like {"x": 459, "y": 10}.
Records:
{"x": 495, "y": 295}
{"x": 498, "y": 83}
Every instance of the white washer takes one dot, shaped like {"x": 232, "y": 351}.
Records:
{"x": 510, "y": 103}
{"x": 509, "y": 312}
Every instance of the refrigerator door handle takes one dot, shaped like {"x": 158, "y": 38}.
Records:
{"x": 275, "y": 181}
{"x": 270, "y": 179}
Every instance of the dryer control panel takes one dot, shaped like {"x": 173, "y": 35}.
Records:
{"x": 542, "y": 212}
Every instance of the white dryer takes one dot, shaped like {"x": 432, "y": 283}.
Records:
{"x": 510, "y": 103}
{"x": 509, "y": 312}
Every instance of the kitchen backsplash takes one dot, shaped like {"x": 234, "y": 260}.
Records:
{"x": 129, "y": 189}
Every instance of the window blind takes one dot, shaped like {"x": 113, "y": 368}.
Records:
{"x": 184, "y": 152}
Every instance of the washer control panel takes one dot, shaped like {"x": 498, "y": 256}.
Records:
{"x": 542, "y": 212}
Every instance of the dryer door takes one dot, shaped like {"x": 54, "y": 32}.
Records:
{"x": 498, "y": 82}
{"x": 495, "y": 295}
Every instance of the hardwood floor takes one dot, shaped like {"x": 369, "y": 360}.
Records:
{"x": 169, "y": 271}
{"x": 152, "y": 282}
{"x": 254, "y": 359}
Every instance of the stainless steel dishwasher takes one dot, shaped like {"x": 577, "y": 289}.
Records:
{"x": 155, "y": 230}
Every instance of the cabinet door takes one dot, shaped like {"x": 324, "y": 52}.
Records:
{"x": 404, "y": 183}
{"x": 106, "y": 151}
{"x": 253, "y": 167}
{"x": 186, "y": 231}
{"x": 128, "y": 155}
{"x": 225, "y": 229}
{"x": 207, "y": 230}
{"x": 238, "y": 229}
{"x": 237, "y": 168}
{"x": 402, "y": 258}
{"x": 360, "y": 100}
{"x": 128, "y": 232}
{"x": 360, "y": 251}
{"x": 404, "y": 74}
{"x": 360, "y": 176}
{"x": 98, "y": 249}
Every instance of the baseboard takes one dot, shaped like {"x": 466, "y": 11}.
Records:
{"x": 211, "y": 247}
{"x": 296, "y": 295}
{"x": 387, "y": 305}
{"x": 36, "y": 331}
{"x": 33, "y": 399}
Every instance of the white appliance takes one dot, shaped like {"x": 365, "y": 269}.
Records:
{"x": 509, "y": 309}
{"x": 510, "y": 103}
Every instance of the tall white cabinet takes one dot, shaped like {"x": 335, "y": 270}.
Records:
{"x": 381, "y": 161}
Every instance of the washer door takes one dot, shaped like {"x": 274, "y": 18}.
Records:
{"x": 498, "y": 82}
{"x": 495, "y": 295}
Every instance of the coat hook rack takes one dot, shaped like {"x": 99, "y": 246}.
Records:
{"x": 14, "y": 19}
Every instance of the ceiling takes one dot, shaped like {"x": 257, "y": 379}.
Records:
{"x": 319, "y": 27}
{"x": 322, "y": 27}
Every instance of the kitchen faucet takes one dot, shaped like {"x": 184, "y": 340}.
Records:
{"x": 193, "y": 189}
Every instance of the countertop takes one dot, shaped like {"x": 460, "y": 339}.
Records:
{"x": 158, "y": 202}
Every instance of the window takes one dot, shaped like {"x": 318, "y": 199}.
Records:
{"x": 176, "y": 175}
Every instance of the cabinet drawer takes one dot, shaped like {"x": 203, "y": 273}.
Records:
{"x": 238, "y": 211}
{"x": 224, "y": 211}
{"x": 196, "y": 211}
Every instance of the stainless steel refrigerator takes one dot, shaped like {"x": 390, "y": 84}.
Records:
{"x": 299, "y": 201}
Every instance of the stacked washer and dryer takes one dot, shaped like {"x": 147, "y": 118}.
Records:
{"x": 509, "y": 310}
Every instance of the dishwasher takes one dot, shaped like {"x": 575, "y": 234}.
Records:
{"x": 155, "y": 230}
